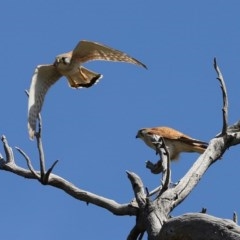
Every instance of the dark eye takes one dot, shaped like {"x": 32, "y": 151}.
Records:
{"x": 140, "y": 134}
{"x": 65, "y": 60}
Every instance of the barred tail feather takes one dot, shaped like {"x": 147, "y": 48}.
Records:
{"x": 83, "y": 78}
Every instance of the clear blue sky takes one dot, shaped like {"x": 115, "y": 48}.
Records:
{"x": 92, "y": 132}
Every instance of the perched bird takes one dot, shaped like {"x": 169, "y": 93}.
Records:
{"x": 175, "y": 141}
{"x": 69, "y": 65}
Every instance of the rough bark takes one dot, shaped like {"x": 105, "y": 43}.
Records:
{"x": 199, "y": 226}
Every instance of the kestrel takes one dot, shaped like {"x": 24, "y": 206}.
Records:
{"x": 69, "y": 65}
{"x": 175, "y": 141}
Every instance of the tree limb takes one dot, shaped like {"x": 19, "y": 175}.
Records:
{"x": 40, "y": 147}
{"x": 58, "y": 182}
{"x": 138, "y": 188}
{"x": 225, "y": 98}
{"x": 8, "y": 150}
{"x": 29, "y": 164}
{"x": 165, "y": 157}
{"x": 199, "y": 226}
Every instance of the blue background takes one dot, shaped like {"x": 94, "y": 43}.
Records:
{"x": 92, "y": 131}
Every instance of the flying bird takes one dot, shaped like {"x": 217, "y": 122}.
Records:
{"x": 175, "y": 141}
{"x": 70, "y": 65}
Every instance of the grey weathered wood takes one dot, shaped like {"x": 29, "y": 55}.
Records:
{"x": 199, "y": 226}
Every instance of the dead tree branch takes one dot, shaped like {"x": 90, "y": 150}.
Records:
{"x": 58, "y": 182}
{"x": 225, "y": 98}
{"x": 199, "y": 226}
{"x": 29, "y": 164}
{"x": 165, "y": 157}
{"x": 141, "y": 199}
{"x": 147, "y": 219}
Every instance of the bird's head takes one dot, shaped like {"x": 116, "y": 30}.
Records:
{"x": 147, "y": 137}
{"x": 62, "y": 59}
{"x": 140, "y": 133}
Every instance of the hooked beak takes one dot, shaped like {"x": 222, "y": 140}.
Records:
{"x": 56, "y": 62}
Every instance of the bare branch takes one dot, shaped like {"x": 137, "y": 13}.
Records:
{"x": 204, "y": 210}
{"x": 136, "y": 233}
{"x": 225, "y": 99}
{"x": 29, "y": 164}
{"x": 45, "y": 176}
{"x": 8, "y": 150}
{"x": 69, "y": 188}
{"x": 235, "y": 217}
{"x": 58, "y": 182}
{"x": 141, "y": 199}
{"x": 195, "y": 173}
{"x": 214, "y": 151}
{"x": 138, "y": 188}
{"x": 164, "y": 153}
{"x": 177, "y": 194}
{"x": 40, "y": 147}
{"x": 163, "y": 165}
{"x": 154, "y": 191}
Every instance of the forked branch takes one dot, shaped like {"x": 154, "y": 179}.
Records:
{"x": 60, "y": 183}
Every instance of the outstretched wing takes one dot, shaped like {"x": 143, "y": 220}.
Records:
{"x": 89, "y": 51}
{"x": 43, "y": 77}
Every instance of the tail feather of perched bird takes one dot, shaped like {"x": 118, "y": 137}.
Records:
{"x": 175, "y": 141}
{"x": 69, "y": 65}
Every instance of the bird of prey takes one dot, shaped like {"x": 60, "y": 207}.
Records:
{"x": 70, "y": 65}
{"x": 175, "y": 141}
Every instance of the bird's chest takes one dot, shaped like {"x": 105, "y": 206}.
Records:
{"x": 67, "y": 69}
{"x": 175, "y": 147}
{"x": 172, "y": 146}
